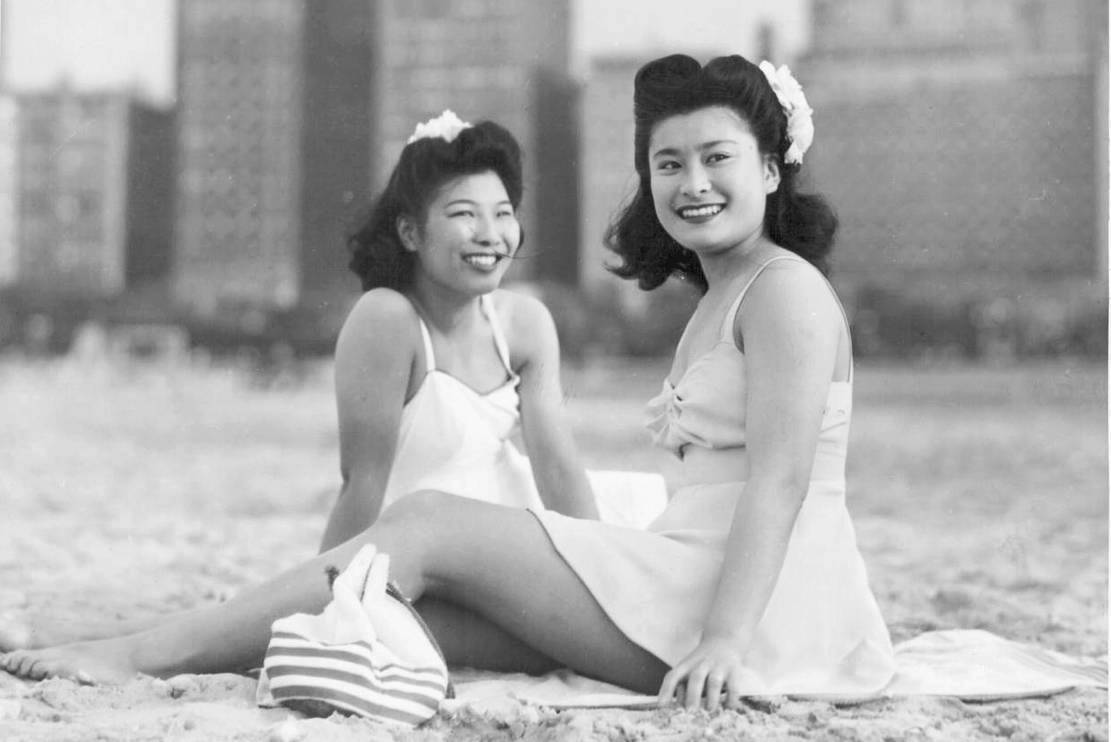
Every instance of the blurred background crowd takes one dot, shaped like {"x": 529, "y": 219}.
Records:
{"x": 963, "y": 144}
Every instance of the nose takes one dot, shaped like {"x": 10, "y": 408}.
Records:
{"x": 695, "y": 181}
{"x": 485, "y": 231}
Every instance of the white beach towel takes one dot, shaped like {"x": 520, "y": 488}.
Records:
{"x": 972, "y": 665}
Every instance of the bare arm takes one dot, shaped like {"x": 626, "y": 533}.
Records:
{"x": 556, "y": 465}
{"x": 374, "y": 358}
{"x": 791, "y": 327}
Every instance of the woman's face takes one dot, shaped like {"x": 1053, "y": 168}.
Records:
{"x": 468, "y": 235}
{"x": 709, "y": 179}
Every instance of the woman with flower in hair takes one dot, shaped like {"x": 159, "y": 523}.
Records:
{"x": 435, "y": 366}
{"x": 750, "y": 582}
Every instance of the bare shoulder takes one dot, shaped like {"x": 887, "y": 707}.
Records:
{"x": 790, "y": 296}
{"x": 381, "y": 307}
{"x": 526, "y": 321}
{"x": 381, "y": 317}
{"x": 521, "y": 314}
{"x": 787, "y": 283}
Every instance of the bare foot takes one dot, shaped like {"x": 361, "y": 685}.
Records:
{"x": 107, "y": 661}
{"x": 23, "y": 632}
{"x": 15, "y": 634}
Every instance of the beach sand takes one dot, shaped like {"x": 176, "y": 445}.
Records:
{"x": 979, "y": 497}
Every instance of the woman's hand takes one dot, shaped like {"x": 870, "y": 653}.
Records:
{"x": 714, "y": 668}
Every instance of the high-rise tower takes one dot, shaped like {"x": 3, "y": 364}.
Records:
{"x": 274, "y": 132}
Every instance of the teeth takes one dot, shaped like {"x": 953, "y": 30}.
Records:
{"x": 481, "y": 261}
{"x": 689, "y": 212}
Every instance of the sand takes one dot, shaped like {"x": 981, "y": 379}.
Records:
{"x": 979, "y": 497}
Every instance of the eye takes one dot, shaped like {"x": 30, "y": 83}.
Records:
{"x": 667, "y": 165}
{"x": 718, "y": 157}
{"x": 461, "y": 212}
{"x": 505, "y": 213}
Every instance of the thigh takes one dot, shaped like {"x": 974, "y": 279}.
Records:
{"x": 470, "y": 640}
{"x": 499, "y": 562}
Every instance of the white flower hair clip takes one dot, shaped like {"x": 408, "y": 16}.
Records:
{"x": 800, "y": 124}
{"x": 446, "y": 126}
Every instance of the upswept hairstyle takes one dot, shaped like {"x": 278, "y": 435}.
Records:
{"x": 378, "y": 257}
{"x": 678, "y": 84}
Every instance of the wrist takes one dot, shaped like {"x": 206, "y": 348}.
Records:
{"x": 734, "y": 636}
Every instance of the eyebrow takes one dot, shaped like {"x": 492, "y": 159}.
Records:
{"x": 472, "y": 202}
{"x": 672, "y": 151}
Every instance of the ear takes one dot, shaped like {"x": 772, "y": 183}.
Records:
{"x": 771, "y": 174}
{"x": 407, "y": 233}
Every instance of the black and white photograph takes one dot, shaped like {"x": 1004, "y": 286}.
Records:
{"x": 580, "y": 370}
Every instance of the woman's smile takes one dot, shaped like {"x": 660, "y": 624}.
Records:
{"x": 700, "y": 213}
{"x": 709, "y": 180}
{"x": 485, "y": 261}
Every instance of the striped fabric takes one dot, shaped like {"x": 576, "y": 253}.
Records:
{"x": 363, "y": 678}
{"x": 339, "y": 660}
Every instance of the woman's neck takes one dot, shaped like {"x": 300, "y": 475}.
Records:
{"x": 722, "y": 268}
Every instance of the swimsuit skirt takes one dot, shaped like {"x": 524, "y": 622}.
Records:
{"x": 822, "y": 632}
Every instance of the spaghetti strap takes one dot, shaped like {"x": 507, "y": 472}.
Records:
{"x": 487, "y": 305}
{"x": 429, "y": 356}
{"x": 731, "y": 315}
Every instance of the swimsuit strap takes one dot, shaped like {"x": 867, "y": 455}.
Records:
{"x": 731, "y": 315}
{"x": 487, "y": 305}
{"x": 429, "y": 356}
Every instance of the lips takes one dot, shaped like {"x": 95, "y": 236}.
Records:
{"x": 483, "y": 260}
{"x": 700, "y": 212}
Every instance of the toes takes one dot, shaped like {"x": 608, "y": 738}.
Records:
{"x": 24, "y": 664}
{"x": 34, "y": 670}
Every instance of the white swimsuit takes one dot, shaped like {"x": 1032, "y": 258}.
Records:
{"x": 457, "y": 440}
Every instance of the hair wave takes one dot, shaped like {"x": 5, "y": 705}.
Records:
{"x": 803, "y": 223}
{"x": 378, "y": 257}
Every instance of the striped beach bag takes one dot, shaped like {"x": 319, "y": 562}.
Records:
{"x": 368, "y": 653}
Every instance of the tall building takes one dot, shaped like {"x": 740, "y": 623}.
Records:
{"x": 9, "y": 257}
{"x": 957, "y": 139}
{"x": 607, "y": 176}
{"x": 274, "y": 133}
{"x": 491, "y": 59}
{"x": 91, "y": 183}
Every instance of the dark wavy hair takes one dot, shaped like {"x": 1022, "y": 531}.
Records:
{"x": 378, "y": 257}
{"x": 677, "y": 84}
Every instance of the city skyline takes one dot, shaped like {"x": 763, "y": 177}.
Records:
{"x": 103, "y": 44}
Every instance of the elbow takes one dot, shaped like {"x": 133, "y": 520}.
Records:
{"x": 787, "y": 491}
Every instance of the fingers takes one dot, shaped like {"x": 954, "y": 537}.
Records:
{"x": 668, "y": 686}
{"x": 704, "y": 682}
{"x": 732, "y": 697}
{"x": 715, "y": 680}
{"x": 696, "y": 680}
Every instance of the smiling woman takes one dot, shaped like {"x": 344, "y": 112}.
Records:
{"x": 451, "y": 380}
{"x": 749, "y": 581}
{"x": 470, "y": 223}
{"x": 436, "y": 369}
{"x": 697, "y": 175}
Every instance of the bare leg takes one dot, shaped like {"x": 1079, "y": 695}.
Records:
{"x": 42, "y": 631}
{"x": 469, "y": 640}
{"x": 493, "y": 560}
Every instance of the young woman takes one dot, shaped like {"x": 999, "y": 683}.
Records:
{"x": 750, "y": 582}
{"x": 436, "y": 365}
